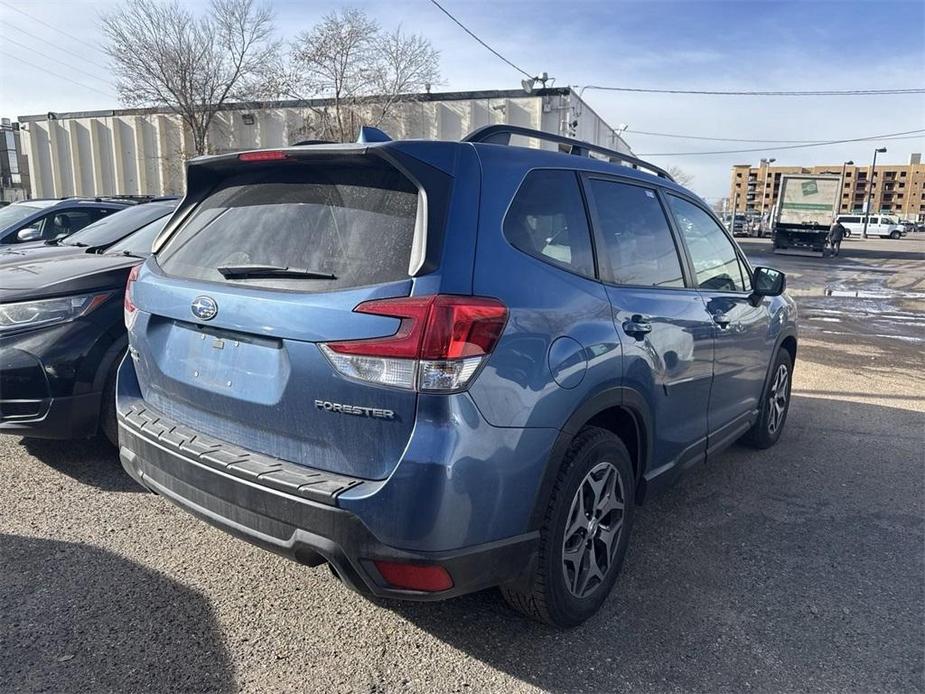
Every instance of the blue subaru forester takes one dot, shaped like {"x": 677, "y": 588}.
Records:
{"x": 441, "y": 367}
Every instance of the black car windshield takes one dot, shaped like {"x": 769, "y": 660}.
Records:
{"x": 115, "y": 227}
{"x": 11, "y": 214}
{"x": 141, "y": 241}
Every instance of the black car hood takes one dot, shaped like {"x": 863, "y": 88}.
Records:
{"x": 12, "y": 255}
{"x": 73, "y": 274}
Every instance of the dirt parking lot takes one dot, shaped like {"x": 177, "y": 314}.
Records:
{"x": 799, "y": 568}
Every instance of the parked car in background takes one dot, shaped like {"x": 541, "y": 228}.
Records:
{"x": 49, "y": 220}
{"x": 884, "y": 226}
{"x": 737, "y": 225}
{"x": 95, "y": 238}
{"x": 62, "y": 335}
{"x": 445, "y": 366}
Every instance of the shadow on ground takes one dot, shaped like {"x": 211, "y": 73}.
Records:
{"x": 92, "y": 461}
{"x": 79, "y": 619}
{"x": 798, "y": 568}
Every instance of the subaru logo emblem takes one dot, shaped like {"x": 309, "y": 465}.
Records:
{"x": 204, "y": 308}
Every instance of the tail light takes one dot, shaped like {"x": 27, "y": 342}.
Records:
{"x": 128, "y": 304}
{"x": 439, "y": 346}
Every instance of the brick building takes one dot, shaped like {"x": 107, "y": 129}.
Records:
{"x": 898, "y": 189}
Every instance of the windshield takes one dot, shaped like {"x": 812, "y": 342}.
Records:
{"x": 141, "y": 241}
{"x": 11, "y": 214}
{"x": 117, "y": 226}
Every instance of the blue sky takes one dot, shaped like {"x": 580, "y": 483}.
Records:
{"x": 687, "y": 45}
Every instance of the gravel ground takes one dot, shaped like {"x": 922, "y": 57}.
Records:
{"x": 800, "y": 568}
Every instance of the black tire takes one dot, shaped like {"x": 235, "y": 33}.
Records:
{"x": 109, "y": 426}
{"x": 895, "y": 235}
{"x": 765, "y": 432}
{"x": 548, "y": 596}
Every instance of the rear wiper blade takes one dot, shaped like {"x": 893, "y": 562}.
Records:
{"x": 231, "y": 272}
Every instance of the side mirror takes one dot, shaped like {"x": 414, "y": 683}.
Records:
{"x": 768, "y": 282}
{"x": 29, "y": 234}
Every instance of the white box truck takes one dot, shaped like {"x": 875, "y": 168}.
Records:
{"x": 806, "y": 206}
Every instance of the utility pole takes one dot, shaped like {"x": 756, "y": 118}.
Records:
{"x": 870, "y": 190}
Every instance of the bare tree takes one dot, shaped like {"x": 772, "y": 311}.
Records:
{"x": 365, "y": 71}
{"x": 680, "y": 176}
{"x": 165, "y": 56}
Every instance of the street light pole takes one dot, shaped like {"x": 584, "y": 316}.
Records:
{"x": 870, "y": 190}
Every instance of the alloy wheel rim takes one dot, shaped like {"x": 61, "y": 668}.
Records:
{"x": 777, "y": 400}
{"x": 593, "y": 530}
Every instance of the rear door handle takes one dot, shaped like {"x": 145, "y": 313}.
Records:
{"x": 637, "y": 326}
{"x": 721, "y": 319}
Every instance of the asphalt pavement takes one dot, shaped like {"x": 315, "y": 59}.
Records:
{"x": 799, "y": 568}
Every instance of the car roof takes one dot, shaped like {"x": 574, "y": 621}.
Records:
{"x": 530, "y": 157}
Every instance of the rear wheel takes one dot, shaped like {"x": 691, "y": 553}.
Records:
{"x": 585, "y": 533}
{"x": 774, "y": 404}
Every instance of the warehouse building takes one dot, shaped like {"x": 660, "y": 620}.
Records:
{"x": 898, "y": 189}
{"x": 142, "y": 151}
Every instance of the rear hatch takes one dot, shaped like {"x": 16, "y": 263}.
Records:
{"x": 264, "y": 263}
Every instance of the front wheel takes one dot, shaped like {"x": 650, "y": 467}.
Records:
{"x": 895, "y": 235}
{"x": 775, "y": 404}
{"x": 584, "y": 535}
{"x": 109, "y": 425}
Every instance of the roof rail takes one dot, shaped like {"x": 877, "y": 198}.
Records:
{"x": 501, "y": 135}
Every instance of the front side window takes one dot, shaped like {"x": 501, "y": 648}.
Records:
{"x": 716, "y": 263}
{"x": 547, "y": 220}
{"x": 637, "y": 246}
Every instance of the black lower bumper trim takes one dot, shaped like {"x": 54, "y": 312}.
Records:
{"x": 71, "y": 417}
{"x": 308, "y": 530}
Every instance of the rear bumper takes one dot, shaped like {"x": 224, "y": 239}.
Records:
{"x": 293, "y": 510}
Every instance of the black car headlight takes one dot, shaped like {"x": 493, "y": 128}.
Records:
{"x": 33, "y": 314}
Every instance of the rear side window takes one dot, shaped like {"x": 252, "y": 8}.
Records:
{"x": 547, "y": 220}
{"x": 339, "y": 225}
{"x": 638, "y": 248}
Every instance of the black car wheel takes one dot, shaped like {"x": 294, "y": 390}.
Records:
{"x": 585, "y": 534}
{"x": 895, "y": 235}
{"x": 775, "y": 404}
{"x": 109, "y": 426}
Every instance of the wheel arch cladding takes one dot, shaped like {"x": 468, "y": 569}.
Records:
{"x": 789, "y": 343}
{"x": 621, "y": 411}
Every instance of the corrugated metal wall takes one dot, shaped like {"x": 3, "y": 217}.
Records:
{"x": 143, "y": 153}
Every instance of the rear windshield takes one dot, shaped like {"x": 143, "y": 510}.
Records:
{"x": 353, "y": 222}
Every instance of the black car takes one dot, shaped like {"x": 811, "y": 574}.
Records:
{"x": 47, "y": 220}
{"x": 95, "y": 238}
{"x": 62, "y": 335}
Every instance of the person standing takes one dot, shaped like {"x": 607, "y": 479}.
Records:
{"x": 836, "y": 234}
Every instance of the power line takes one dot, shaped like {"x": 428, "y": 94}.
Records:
{"x": 631, "y": 131}
{"x": 58, "y": 75}
{"x": 895, "y": 136}
{"x": 466, "y": 29}
{"x": 827, "y": 92}
{"x": 44, "y": 23}
{"x": 63, "y": 50}
{"x": 55, "y": 60}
